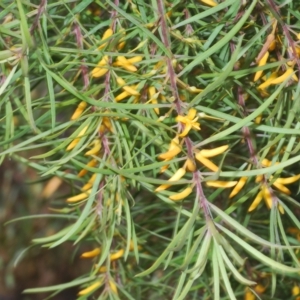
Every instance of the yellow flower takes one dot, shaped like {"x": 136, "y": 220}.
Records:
{"x": 178, "y": 175}
{"x": 209, "y": 2}
{"x": 190, "y": 122}
{"x": 79, "y": 110}
{"x": 262, "y": 62}
{"x": 296, "y": 292}
{"x": 108, "y": 33}
{"x": 77, "y": 139}
{"x": 181, "y": 195}
{"x": 79, "y": 197}
{"x": 221, "y": 184}
{"x": 202, "y": 156}
{"x": 117, "y": 255}
{"x": 90, "y": 288}
{"x": 173, "y": 150}
{"x": 91, "y": 163}
{"x": 91, "y": 253}
{"x": 265, "y": 193}
{"x": 101, "y": 68}
{"x": 238, "y": 186}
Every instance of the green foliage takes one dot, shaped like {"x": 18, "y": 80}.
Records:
{"x": 152, "y": 112}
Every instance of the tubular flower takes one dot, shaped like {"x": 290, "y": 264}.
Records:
{"x": 96, "y": 148}
{"x": 265, "y": 194}
{"x": 202, "y": 157}
{"x": 113, "y": 286}
{"x": 262, "y": 62}
{"x": 178, "y": 175}
{"x": 92, "y": 253}
{"x": 101, "y": 68}
{"x": 249, "y": 295}
{"x": 106, "y": 125}
{"x": 238, "y": 186}
{"x": 79, "y": 197}
{"x": 189, "y": 121}
{"x": 213, "y": 152}
{"x": 174, "y": 149}
{"x": 209, "y": 2}
{"x": 221, "y": 184}
{"x": 77, "y": 139}
{"x": 108, "y": 33}
{"x": 79, "y": 110}
{"x": 190, "y": 165}
{"x": 206, "y": 162}
{"x": 181, "y": 195}
{"x": 122, "y": 96}
{"x": 127, "y": 64}
{"x": 89, "y": 184}
{"x": 280, "y": 182}
{"x": 278, "y": 80}
{"x": 130, "y": 90}
{"x": 296, "y": 292}
{"x": 153, "y": 97}
{"x": 91, "y": 163}
{"x": 117, "y": 255}
{"x": 90, "y": 288}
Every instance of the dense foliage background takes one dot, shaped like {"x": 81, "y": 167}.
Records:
{"x": 150, "y": 150}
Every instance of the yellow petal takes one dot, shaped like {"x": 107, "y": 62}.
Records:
{"x": 281, "y": 188}
{"x": 134, "y": 59}
{"x": 206, "y": 162}
{"x": 259, "y": 178}
{"x": 122, "y": 96}
{"x": 178, "y": 175}
{"x": 105, "y": 36}
{"x": 186, "y": 130}
{"x": 267, "y": 197}
{"x": 249, "y": 295}
{"x": 90, "y": 288}
{"x": 182, "y": 195}
{"x": 238, "y": 187}
{"x": 209, "y": 2}
{"x": 102, "y": 269}
{"x": 259, "y": 288}
{"x": 91, "y": 253}
{"x": 117, "y": 255}
{"x": 256, "y": 201}
{"x": 113, "y": 286}
{"x": 120, "y": 81}
{"x": 262, "y": 62}
{"x": 91, "y": 163}
{"x": 99, "y": 72}
{"x": 162, "y": 187}
{"x": 281, "y": 209}
{"x": 80, "y": 108}
{"x": 51, "y": 187}
{"x": 221, "y": 184}
{"x": 190, "y": 165}
{"x": 130, "y": 90}
{"x": 95, "y": 149}
{"x": 283, "y": 77}
{"x": 288, "y": 180}
{"x": 151, "y": 91}
{"x": 101, "y": 67}
{"x": 170, "y": 154}
{"x": 121, "y": 45}
{"x": 79, "y": 197}
{"x": 192, "y": 113}
{"x": 77, "y": 139}
{"x": 129, "y": 67}
{"x": 213, "y": 152}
